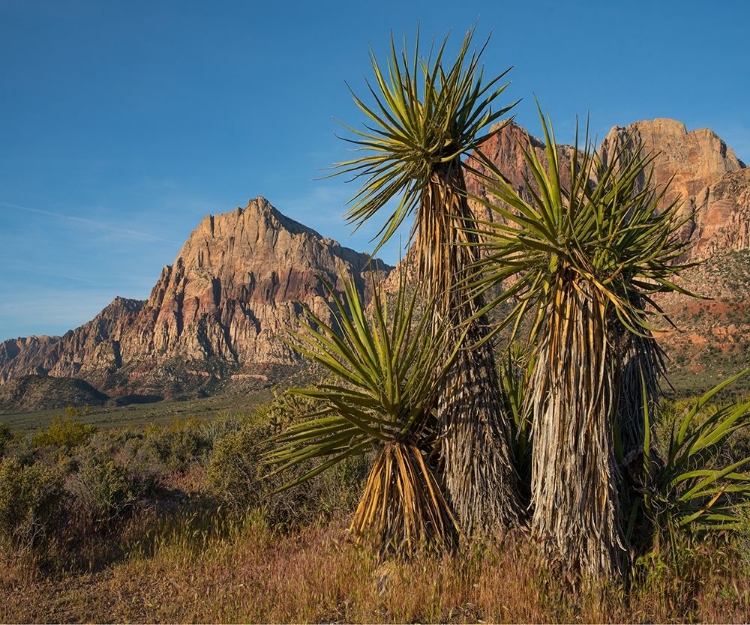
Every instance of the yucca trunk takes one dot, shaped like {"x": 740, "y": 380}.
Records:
{"x": 402, "y": 506}
{"x": 641, "y": 363}
{"x": 478, "y": 468}
{"x": 574, "y": 465}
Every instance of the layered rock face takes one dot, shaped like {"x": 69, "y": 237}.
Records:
{"x": 506, "y": 151}
{"x": 234, "y": 290}
{"x": 26, "y": 355}
{"x": 705, "y": 177}
{"x": 236, "y": 286}
{"x": 93, "y": 348}
{"x": 232, "y": 293}
{"x": 713, "y": 188}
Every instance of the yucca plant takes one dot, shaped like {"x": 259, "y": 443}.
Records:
{"x": 698, "y": 487}
{"x": 516, "y": 369}
{"x": 586, "y": 254}
{"x": 425, "y": 115}
{"x": 384, "y": 378}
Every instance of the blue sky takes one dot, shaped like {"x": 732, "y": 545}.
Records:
{"x": 123, "y": 123}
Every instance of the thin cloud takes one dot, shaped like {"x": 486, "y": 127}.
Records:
{"x": 92, "y": 224}
{"x": 15, "y": 266}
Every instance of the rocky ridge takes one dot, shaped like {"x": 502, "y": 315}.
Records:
{"x": 34, "y": 392}
{"x": 218, "y": 313}
{"x": 704, "y": 175}
{"x": 712, "y": 187}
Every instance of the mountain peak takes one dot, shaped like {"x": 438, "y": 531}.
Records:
{"x": 233, "y": 290}
{"x": 238, "y": 283}
{"x": 696, "y": 156}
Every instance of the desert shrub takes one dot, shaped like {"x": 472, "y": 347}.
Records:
{"x": 239, "y": 479}
{"x": 31, "y": 503}
{"x": 103, "y": 490}
{"x": 234, "y": 469}
{"x": 129, "y": 449}
{"x": 6, "y": 435}
{"x": 65, "y": 431}
{"x": 181, "y": 443}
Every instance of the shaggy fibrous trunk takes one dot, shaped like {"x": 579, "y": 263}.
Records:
{"x": 575, "y": 474}
{"x": 478, "y": 468}
{"x": 641, "y": 363}
{"x": 402, "y": 507}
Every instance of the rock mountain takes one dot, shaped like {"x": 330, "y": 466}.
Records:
{"x": 219, "y": 311}
{"x": 710, "y": 182}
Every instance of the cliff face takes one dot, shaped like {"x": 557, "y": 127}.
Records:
{"x": 232, "y": 292}
{"x": 713, "y": 188}
{"x": 704, "y": 175}
{"x": 30, "y": 354}
{"x": 693, "y": 160}
{"x": 235, "y": 287}
{"x": 506, "y": 150}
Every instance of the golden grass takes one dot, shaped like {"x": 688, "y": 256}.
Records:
{"x": 246, "y": 573}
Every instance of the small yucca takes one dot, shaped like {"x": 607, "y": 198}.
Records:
{"x": 385, "y": 372}
{"x": 698, "y": 486}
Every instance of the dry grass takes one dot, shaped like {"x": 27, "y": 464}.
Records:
{"x": 249, "y": 574}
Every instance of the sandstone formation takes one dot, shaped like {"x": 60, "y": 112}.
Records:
{"x": 219, "y": 312}
{"x": 236, "y": 286}
{"x": 506, "y": 151}
{"x": 704, "y": 175}
{"x": 713, "y": 188}
{"x": 711, "y": 184}
{"x": 220, "y": 309}
{"x": 723, "y": 214}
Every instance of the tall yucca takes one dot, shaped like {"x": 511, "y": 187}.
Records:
{"x": 385, "y": 370}
{"x": 587, "y": 254}
{"x": 424, "y": 117}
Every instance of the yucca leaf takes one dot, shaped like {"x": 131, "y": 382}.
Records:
{"x": 353, "y": 451}
{"x": 712, "y": 478}
{"x": 687, "y": 421}
{"x": 709, "y": 436}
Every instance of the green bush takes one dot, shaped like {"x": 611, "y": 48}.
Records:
{"x": 181, "y": 443}
{"x": 130, "y": 450}
{"x": 65, "y": 432}
{"x": 698, "y": 485}
{"x": 103, "y": 490}
{"x": 240, "y": 480}
{"x": 31, "y": 503}
{"x": 6, "y": 435}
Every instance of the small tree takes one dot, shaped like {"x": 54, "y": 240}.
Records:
{"x": 587, "y": 255}
{"x": 425, "y": 116}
